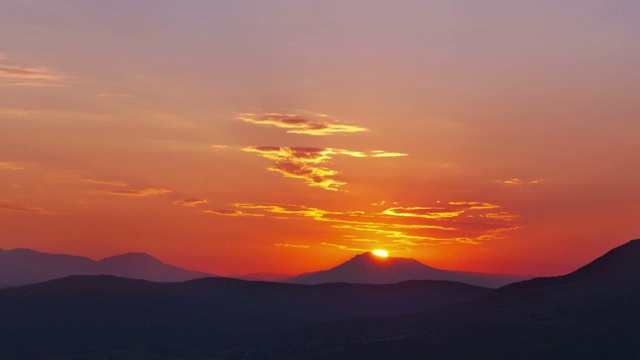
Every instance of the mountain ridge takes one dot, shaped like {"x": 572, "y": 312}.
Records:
{"x": 367, "y": 268}
{"x": 22, "y": 266}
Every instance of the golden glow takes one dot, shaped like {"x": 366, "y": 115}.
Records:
{"x": 380, "y": 253}
{"x": 305, "y": 162}
{"x": 300, "y": 125}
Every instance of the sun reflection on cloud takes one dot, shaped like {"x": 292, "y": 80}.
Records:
{"x": 306, "y": 162}
{"x": 295, "y": 124}
{"x": 397, "y": 227}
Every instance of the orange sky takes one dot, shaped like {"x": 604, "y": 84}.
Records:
{"x": 288, "y": 136}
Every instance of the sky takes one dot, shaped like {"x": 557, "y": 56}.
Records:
{"x": 289, "y": 136}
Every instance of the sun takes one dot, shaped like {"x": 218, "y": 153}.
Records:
{"x": 380, "y": 253}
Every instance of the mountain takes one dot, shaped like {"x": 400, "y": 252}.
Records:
{"x": 593, "y": 312}
{"x": 24, "y": 266}
{"x": 370, "y": 269}
{"x": 107, "y": 317}
{"x": 263, "y": 277}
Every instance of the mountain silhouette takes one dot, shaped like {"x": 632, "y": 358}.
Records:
{"x": 24, "y": 266}
{"x": 84, "y": 315}
{"x": 263, "y": 277}
{"x": 368, "y": 268}
{"x": 593, "y": 312}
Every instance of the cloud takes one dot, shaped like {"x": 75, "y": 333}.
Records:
{"x": 306, "y": 163}
{"x": 236, "y": 213}
{"x": 501, "y": 216}
{"x": 518, "y": 182}
{"x": 26, "y": 73}
{"x": 217, "y": 147}
{"x": 191, "y": 202}
{"x": 22, "y": 75}
{"x": 286, "y": 209}
{"x": 455, "y": 222}
{"x": 300, "y": 125}
{"x": 103, "y": 182}
{"x": 422, "y": 212}
{"x": 293, "y": 246}
{"x": 11, "y": 166}
{"x": 6, "y": 205}
{"x": 139, "y": 193}
{"x": 345, "y": 247}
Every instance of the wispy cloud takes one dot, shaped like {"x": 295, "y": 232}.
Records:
{"x": 6, "y": 205}
{"x": 293, "y": 246}
{"x": 22, "y": 75}
{"x": 104, "y": 182}
{"x": 518, "y": 182}
{"x": 345, "y": 247}
{"x": 217, "y": 147}
{"x": 306, "y": 162}
{"x": 11, "y": 166}
{"x": 295, "y": 124}
{"x": 192, "y": 202}
{"x": 236, "y": 213}
{"x": 139, "y": 193}
{"x": 467, "y": 222}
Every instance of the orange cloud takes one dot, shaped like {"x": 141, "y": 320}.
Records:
{"x": 501, "y": 216}
{"x": 103, "y": 182}
{"x": 465, "y": 222}
{"x": 21, "y": 75}
{"x": 237, "y": 213}
{"x": 6, "y": 205}
{"x": 140, "y": 193}
{"x": 345, "y": 247}
{"x": 218, "y": 147}
{"x": 11, "y": 166}
{"x": 300, "y": 125}
{"x": 516, "y": 181}
{"x": 192, "y": 202}
{"x": 305, "y": 163}
{"x": 293, "y": 246}
{"x": 422, "y": 212}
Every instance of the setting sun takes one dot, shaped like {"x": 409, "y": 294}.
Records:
{"x": 380, "y": 253}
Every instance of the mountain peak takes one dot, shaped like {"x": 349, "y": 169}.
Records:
{"x": 132, "y": 258}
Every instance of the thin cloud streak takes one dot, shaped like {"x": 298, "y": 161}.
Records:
{"x": 139, "y": 193}
{"x": 191, "y": 202}
{"x": 6, "y": 205}
{"x": 291, "y": 246}
{"x": 11, "y": 166}
{"x": 295, "y": 124}
{"x": 22, "y": 75}
{"x": 520, "y": 182}
{"x": 234, "y": 213}
{"x": 104, "y": 182}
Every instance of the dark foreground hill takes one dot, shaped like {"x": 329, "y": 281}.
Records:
{"x": 592, "y": 313}
{"x": 85, "y": 316}
{"x": 367, "y": 268}
{"x": 24, "y": 266}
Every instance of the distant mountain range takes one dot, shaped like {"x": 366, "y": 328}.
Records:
{"x": 24, "y": 266}
{"x": 367, "y": 268}
{"x": 592, "y": 313}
